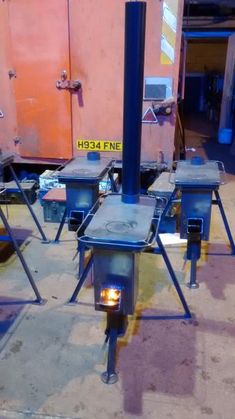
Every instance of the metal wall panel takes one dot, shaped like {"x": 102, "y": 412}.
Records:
{"x": 46, "y": 38}
{"x": 97, "y": 44}
{"x": 8, "y": 125}
{"x": 39, "y": 52}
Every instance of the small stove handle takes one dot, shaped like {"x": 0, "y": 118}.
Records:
{"x": 222, "y": 172}
{"x": 153, "y": 234}
{"x": 136, "y": 245}
{"x": 171, "y": 178}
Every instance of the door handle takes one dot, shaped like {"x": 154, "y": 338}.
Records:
{"x": 64, "y": 83}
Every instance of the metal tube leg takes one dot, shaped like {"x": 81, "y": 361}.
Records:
{"x": 110, "y": 375}
{"x": 18, "y": 251}
{"x": 44, "y": 239}
{"x": 225, "y": 221}
{"x": 173, "y": 277}
{"x": 81, "y": 280}
{"x": 81, "y": 260}
{"x": 57, "y": 237}
{"x": 169, "y": 203}
{"x": 113, "y": 184}
{"x": 193, "y": 284}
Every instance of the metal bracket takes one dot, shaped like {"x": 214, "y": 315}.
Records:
{"x": 16, "y": 140}
{"x": 163, "y": 108}
{"x": 12, "y": 73}
{"x": 72, "y": 86}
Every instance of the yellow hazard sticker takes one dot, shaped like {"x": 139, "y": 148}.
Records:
{"x": 99, "y": 145}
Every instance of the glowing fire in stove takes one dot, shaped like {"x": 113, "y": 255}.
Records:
{"x": 110, "y": 297}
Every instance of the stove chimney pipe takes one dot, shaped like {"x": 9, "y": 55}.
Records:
{"x": 135, "y": 13}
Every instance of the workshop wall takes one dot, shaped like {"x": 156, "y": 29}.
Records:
{"x": 85, "y": 39}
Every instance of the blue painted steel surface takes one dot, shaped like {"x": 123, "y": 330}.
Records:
{"x": 93, "y": 155}
{"x": 207, "y": 34}
{"x": 133, "y": 98}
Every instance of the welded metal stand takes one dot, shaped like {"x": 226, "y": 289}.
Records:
{"x": 193, "y": 254}
{"x": 218, "y": 202}
{"x": 194, "y": 232}
{"x": 160, "y": 250}
{"x": 193, "y": 284}
{"x": 110, "y": 376}
{"x": 194, "y": 247}
{"x": 12, "y": 239}
{"x": 116, "y": 323}
{"x": 44, "y": 239}
{"x": 169, "y": 204}
{"x": 83, "y": 272}
{"x": 59, "y": 231}
{"x": 116, "y": 326}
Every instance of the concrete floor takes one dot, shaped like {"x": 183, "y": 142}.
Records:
{"x": 51, "y": 355}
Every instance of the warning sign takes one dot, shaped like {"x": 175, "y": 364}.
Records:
{"x": 149, "y": 117}
{"x": 99, "y": 145}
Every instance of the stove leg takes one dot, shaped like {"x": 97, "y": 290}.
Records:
{"x": 81, "y": 280}
{"x": 113, "y": 184}
{"x": 225, "y": 221}
{"x": 116, "y": 326}
{"x": 193, "y": 284}
{"x": 194, "y": 251}
{"x": 39, "y": 299}
{"x": 57, "y": 237}
{"x": 44, "y": 239}
{"x": 82, "y": 252}
{"x": 162, "y": 251}
{"x": 110, "y": 376}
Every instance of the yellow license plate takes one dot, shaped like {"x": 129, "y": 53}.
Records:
{"x": 99, "y": 145}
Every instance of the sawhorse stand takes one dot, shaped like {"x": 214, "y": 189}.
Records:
{"x": 6, "y": 160}
{"x": 11, "y": 238}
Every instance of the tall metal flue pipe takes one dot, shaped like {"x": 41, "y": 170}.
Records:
{"x": 135, "y": 16}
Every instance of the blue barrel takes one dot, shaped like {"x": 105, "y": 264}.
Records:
{"x": 225, "y": 136}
